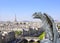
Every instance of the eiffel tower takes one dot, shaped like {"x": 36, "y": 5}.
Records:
{"x": 15, "y": 18}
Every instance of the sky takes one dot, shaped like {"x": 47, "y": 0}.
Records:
{"x": 24, "y": 9}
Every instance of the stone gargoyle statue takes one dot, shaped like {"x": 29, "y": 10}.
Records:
{"x": 51, "y": 33}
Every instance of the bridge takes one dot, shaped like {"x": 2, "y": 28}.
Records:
{"x": 32, "y": 38}
{"x": 29, "y": 39}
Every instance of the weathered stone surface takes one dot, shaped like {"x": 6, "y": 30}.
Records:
{"x": 0, "y": 38}
{"x": 46, "y": 41}
{"x": 49, "y": 26}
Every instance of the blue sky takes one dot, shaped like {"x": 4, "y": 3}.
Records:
{"x": 25, "y": 8}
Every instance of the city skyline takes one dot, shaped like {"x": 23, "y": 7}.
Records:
{"x": 25, "y": 8}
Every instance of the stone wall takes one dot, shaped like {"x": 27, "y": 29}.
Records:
{"x": 0, "y": 38}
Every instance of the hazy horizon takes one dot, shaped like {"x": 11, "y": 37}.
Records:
{"x": 25, "y": 8}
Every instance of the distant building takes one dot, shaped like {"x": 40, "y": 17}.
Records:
{"x": 8, "y": 36}
{"x": 4, "y": 26}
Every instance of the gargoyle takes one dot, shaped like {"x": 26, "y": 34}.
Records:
{"x": 48, "y": 25}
